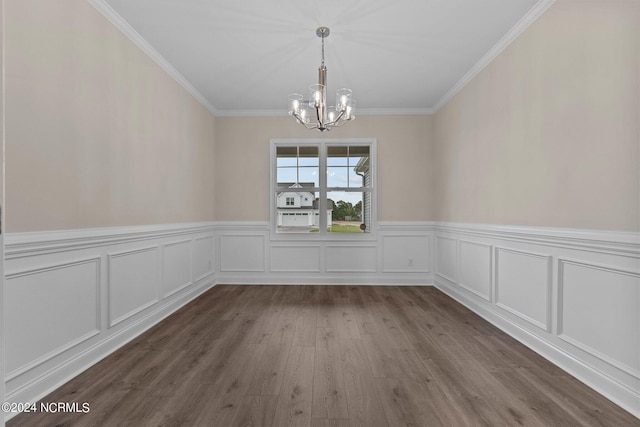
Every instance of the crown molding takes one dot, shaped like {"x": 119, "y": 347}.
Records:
{"x": 360, "y": 112}
{"x": 122, "y": 25}
{"x": 251, "y": 113}
{"x": 536, "y": 11}
{"x": 395, "y": 111}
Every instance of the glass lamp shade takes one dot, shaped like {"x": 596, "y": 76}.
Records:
{"x": 350, "y": 111}
{"x": 295, "y": 101}
{"x": 307, "y": 114}
{"x": 316, "y": 95}
{"x": 331, "y": 114}
{"x": 343, "y": 96}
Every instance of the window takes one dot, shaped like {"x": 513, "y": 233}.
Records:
{"x": 325, "y": 187}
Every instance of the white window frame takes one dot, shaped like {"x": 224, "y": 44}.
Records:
{"x": 322, "y": 144}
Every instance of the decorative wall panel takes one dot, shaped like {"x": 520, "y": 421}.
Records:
{"x": 298, "y": 258}
{"x": 475, "y": 268}
{"x": 405, "y": 254}
{"x": 350, "y": 259}
{"x": 447, "y": 258}
{"x": 49, "y": 310}
{"x": 203, "y": 257}
{"x": 598, "y": 305}
{"x": 523, "y": 285}
{"x": 242, "y": 253}
{"x": 176, "y": 267}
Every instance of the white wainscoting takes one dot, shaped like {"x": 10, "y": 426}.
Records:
{"x": 75, "y": 296}
{"x": 571, "y": 295}
{"x": 397, "y": 253}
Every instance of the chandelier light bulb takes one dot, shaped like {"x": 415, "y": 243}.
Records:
{"x": 350, "y": 110}
{"x": 316, "y": 95}
{"x": 295, "y": 99}
{"x": 343, "y": 96}
{"x": 331, "y": 114}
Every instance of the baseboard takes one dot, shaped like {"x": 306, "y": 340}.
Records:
{"x": 322, "y": 282}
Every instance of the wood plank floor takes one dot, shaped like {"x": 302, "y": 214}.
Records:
{"x": 327, "y": 356}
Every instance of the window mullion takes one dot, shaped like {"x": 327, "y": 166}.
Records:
{"x": 297, "y": 165}
{"x": 322, "y": 194}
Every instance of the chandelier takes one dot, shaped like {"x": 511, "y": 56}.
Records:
{"x": 314, "y": 113}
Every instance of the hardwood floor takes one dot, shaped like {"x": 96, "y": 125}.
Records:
{"x": 327, "y": 356}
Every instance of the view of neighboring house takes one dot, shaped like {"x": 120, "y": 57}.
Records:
{"x": 299, "y": 208}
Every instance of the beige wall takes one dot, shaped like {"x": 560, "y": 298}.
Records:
{"x": 548, "y": 134}
{"x": 96, "y": 133}
{"x": 404, "y": 148}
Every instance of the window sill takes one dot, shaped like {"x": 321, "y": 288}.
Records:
{"x": 325, "y": 237}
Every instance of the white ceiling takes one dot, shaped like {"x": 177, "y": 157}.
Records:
{"x": 245, "y": 57}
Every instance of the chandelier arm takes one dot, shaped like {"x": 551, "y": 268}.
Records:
{"x": 299, "y": 119}
{"x": 337, "y": 119}
{"x": 309, "y": 126}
